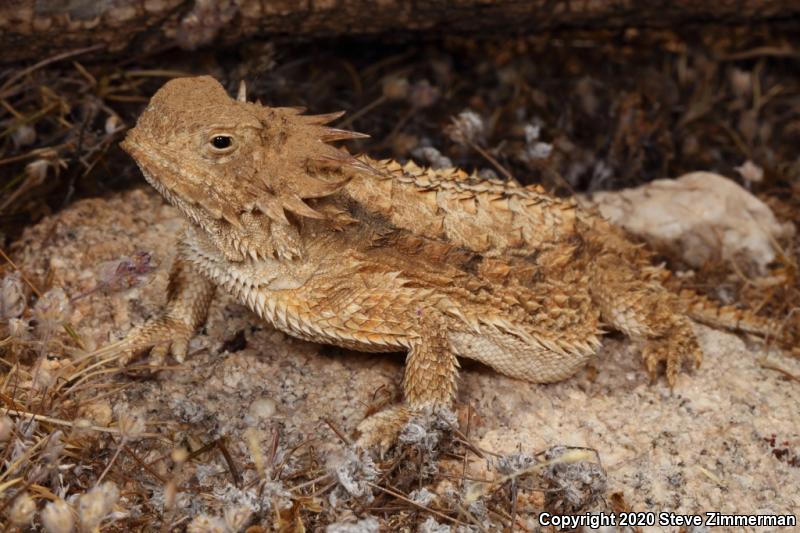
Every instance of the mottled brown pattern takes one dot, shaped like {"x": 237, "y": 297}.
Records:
{"x": 380, "y": 257}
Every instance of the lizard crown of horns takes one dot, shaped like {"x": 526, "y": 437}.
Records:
{"x": 299, "y": 182}
{"x": 290, "y": 162}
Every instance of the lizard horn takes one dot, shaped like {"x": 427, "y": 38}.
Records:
{"x": 335, "y": 134}
{"x": 241, "y": 96}
{"x": 319, "y": 120}
{"x": 297, "y": 206}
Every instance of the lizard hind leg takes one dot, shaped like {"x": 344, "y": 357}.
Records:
{"x": 673, "y": 347}
{"x": 649, "y": 314}
{"x": 429, "y": 383}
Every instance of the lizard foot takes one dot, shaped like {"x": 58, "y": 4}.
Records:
{"x": 163, "y": 336}
{"x": 382, "y": 429}
{"x": 423, "y": 427}
{"x": 676, "y": 348}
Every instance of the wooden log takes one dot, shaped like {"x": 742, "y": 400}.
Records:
{"x": 32, "y": 29}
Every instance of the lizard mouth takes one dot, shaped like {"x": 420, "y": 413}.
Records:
{"x": 131, "y": 144}
{"x": 153, "y": 163}
{"x": 146, "y": 160}
{"x": 164, "y": 174}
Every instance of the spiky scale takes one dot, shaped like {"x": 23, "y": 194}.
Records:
{"x": 320, "y": 120}
{"x": 503, "y": 274}
{"x": 335, "y": 134}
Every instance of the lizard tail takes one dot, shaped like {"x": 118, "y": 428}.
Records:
{"x": 711, "y": 313}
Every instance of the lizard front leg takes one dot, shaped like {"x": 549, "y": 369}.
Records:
{"x": 189, "y": 295}
{"x": 429, "y": 382}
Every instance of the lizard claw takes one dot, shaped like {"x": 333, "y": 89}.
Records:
{"x": 404, "y": 425}
{"x": 382, "y": 429}
{"x": 163, "y": 336}
{"x": 676, "y": 348}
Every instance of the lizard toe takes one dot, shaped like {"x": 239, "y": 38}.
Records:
{"x": 382, "y": 429}
{"x": 161, "y": 336}
{"x": 674, "y": 350}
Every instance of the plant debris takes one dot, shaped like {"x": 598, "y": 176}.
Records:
{"x": 577, "y": 112}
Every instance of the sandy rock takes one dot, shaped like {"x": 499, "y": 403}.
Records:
{"x": 723, "y": 439}
{"x": 700, "y": 217}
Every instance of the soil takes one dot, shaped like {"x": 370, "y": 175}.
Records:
{"x": 725, "y": 438}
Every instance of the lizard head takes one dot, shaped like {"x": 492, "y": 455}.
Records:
{"x": 237, "y": 168}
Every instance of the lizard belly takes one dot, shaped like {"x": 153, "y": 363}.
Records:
{"x": 516, "y": 358}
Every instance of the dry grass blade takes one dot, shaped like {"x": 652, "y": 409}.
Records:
{"x": 425, "y": 508}
{"x": 636, "y": 106}
{"x": 59, "y": 57}
{"x": 77, "y": 425}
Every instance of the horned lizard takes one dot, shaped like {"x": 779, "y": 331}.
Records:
{"x": 377, "y": 256}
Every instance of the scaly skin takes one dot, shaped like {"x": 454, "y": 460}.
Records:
{"x": 378, "y": 257}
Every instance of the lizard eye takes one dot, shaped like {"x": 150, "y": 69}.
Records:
{"x": 221, "y": 143}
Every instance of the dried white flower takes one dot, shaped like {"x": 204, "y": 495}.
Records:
{"x": 574, "y": 480}
{"x": 488, "y": 174}
{"x": 124, "y": 273}
{"x": 19, "y": 329}
{"x": 540, "y": 151}
{"x": 45, "y": 374}
{"x": 23, "y": 136}
{"x": 516, "y": 462}
{"x": 22, "y": 510}
{"x": 423, "y": 94}
{"x": 170, "y": 494}
{"x": 253, "y": 437}
{"x": 427, "y": 428}
{"x": 535, "y": 149}
{"x": 532, "y": 132}
{"x": 54, "y": 449}
{"x": 98, "y": 412}
{"x": 236, "y": 517}
{"x": 57, "y": 517}
{"x": 750, "y": 172}
{"x": 422, "y": 496}
{"x": 131, "y": 426}
{"x": 179, "y": 455}
{"x": 12, "y": 296}
{"x": 354, "y": 473}
{"x": 395, "y": 88}
{"x": 113, "y": 124}
{"x": 466, "y": 128}
{"x": 365, "y": 525}
{"x": 478, "y": 510}
{"x": 432, "y": 526}
{"x": 37, "y": 170}
{"x": 80, "y": 425}
{"x": 262, "y": 409}
{"x": 52, "y": 309}
{"x": 206, "y": 524}
{"x": 95, "y": 505}
{"x": 741, "y": 82}
{"x": 26, "y": 430}
{"x": 6, "y": 428}
{"x": 432, "y": 156}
